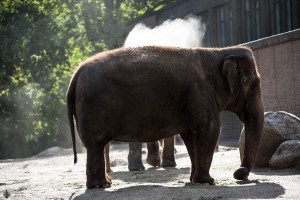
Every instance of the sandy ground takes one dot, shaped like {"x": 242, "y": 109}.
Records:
{"x": 52, "y": 175}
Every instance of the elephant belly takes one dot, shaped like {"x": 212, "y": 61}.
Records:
{"x": 146, "y": 136}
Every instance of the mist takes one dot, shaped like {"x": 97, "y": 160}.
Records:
{"x": 188, "y": 32}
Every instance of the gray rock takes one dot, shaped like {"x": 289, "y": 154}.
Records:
{"x": 287, "y": 155}
{"x": 278, "y": 127}
{"x": 283, "y": 123}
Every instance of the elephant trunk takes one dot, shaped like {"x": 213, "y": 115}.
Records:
{"x": 253, "y": 121}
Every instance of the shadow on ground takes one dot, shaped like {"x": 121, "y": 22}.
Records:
{"x": 171, "y": 183}
{"x": 276, "y": 172}
{"x": 152, "y": 175}
{"x": 245, "y": 191}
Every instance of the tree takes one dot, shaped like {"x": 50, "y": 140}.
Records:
{"x": 36, "y": 60}
{"x": 41, "y": 44}
{"x": 106, "y": 21}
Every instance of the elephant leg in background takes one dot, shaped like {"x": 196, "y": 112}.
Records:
{"x": 168, "y": 157}
{"x": 135, "y": 157}
{"x": 189, "y": 143}
{"x": 95, "y": 167}
{"x": 107, "y": 159}
{"x": 153, "y": 157}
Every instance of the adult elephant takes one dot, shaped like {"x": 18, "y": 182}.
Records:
{"x": 144, "y": 94}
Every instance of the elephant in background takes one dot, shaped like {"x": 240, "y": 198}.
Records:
{"x": 153, "y": 155}
{"x": 144, "y": 94}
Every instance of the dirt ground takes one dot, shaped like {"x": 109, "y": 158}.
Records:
{"x": 52, "y": 175}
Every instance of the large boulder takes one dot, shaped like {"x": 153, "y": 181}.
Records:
{"x": 278, "y": 127}
{"x": 287, "y": 155}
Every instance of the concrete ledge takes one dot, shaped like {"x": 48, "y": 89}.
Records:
{"x": 273, "y": 40}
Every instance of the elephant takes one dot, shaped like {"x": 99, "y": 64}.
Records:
{"x": 153, "y": 157}
{"x": 144, "y": 94}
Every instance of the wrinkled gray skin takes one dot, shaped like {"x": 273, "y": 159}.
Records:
{"x": 144, "y": 94}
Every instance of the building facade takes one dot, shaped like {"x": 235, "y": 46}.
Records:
{"x": 232, "y": 22}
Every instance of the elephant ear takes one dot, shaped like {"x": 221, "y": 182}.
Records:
{"x": 231, "y": 70}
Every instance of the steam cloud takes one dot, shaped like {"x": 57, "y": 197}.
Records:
{"x": 187, "y": 32}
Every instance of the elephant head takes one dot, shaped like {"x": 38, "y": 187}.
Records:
{"x": 245, "y": 100}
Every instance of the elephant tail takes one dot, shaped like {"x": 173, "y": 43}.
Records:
{"x": 71, "y": 96}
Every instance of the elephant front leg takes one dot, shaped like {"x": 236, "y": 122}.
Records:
{"x": 168, "y": 158}
{"x": 187, "y": 138}
{"x": 95, "y": 168}
{"x": 205, "y": 141}
{"x": 135, "y": 157}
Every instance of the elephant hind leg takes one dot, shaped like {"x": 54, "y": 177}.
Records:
{"x": 95, "y": 168}
{"x": 107, "y": 158}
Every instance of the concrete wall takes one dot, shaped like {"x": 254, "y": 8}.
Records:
{"x": 278, "y": 58}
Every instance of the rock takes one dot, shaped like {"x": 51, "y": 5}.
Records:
{"x": 278, "y": 127}
{"x": 287, "y": 155}
{"x": 6, "y": 194}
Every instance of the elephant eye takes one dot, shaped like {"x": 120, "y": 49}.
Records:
{"x": 255, "y": 86}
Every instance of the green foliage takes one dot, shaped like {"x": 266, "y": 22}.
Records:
{"x": 42, "y": 42}
{"x": 133, "y": 9}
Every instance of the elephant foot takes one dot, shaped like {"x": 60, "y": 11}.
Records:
{"x": 106, "y": 183}
{"x": 153, "y": 160}
{"x": 132, "y": 166}
{"x": 207, "y": 179}
{"x": 135, "y": 162}
{"x": 168, "y": 163}
{"x": 241, "y": 174}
